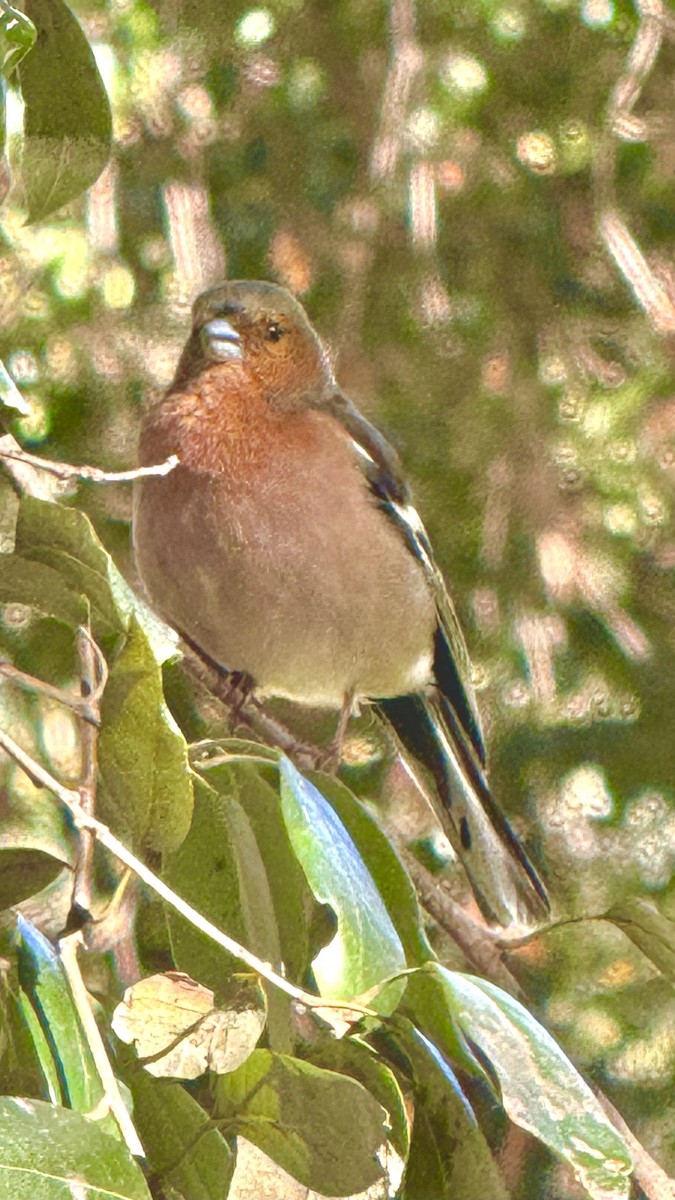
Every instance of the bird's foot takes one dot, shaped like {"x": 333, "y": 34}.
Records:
{"x": 235, "y": 689}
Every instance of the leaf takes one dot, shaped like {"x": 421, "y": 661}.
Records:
{"x": 172, "y": 1020}
{"x": 10, "y": 396}
{"x": 38, "y": 586}
{"x": 44, "y": 982}
{"x": 389, "y": 874}
{"x": 182, "y": 1146}
{"x": 541, "y": 1090}
{"x": 65, "y": 540}
{"x": 449, "y": 1156}
{"x": 425, "y": 1003}
{"x": 17, "y": 37}
{"x": 204, "y": 871}
{"x": 147, "y": 790}
{"x": 50, "y": 1083}
{"x": 67, "y": 123}
{"x": 36, "y": 839}
{"x": 50, "y": 1153}
{"x": 24, "y": 872}
{"x": 366, "y": 948}
{"x": 295, "y": 907}
{"x": 323, "y": 1128}
{"x": 352, "y": 1057}
{"x": 650, "y": 931}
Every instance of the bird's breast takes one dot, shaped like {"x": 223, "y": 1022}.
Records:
{"x": 282, "y": 565}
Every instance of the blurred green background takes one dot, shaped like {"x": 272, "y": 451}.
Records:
{"x": 475, "y": 203}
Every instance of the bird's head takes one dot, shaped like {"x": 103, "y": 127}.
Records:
{"x": 262, "y": 330}
{"x": 258, "y": 330}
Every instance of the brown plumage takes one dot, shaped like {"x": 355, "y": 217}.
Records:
{"x": 284, "y": 545}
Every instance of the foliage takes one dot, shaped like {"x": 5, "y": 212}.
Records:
{"x": 477, "y": 214}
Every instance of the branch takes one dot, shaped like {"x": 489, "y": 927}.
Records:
{"x": 251, "y": 711}
{"x": 65, "y": 471}
{"x": 92, "y": 681}
{"x": 71, "y": 800}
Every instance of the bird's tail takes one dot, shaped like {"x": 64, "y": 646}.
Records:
{"x": 505, "y": 883}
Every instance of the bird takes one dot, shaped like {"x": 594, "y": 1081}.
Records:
{"x": 285, "y": 547}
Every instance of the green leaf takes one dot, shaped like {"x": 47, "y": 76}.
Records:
{"x": 46, "y": 987}
{"x": 17, "y": 37}
{"x": 425, "y": 1003}
{"x": 541, "y": 1090}
{"x": 449, "y": 1155}
{"x": 47, "y": 1153}
{"x": 36, "y": 839}
{"x": 147, "y": 789}
{"x": 294, "y": 904}
{"x": 40, "y": 1047}
{"x": 389, "y": 874}
{"x": 183, "y": 1148}
{"x": 366, "y": 948}
{"x": 24, "y": 872}
{"x": 323, "y": 1128}
{"x": 65, "y": 540}
{"x": 352, "y": 1057}
{"x": 650, "y": 931}
{"x": 67, "y": 123}
{"x": 23, "y": 581}
{"x": 204, "y": 870}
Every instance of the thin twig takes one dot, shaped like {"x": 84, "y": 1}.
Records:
{"x": 71, "y": 800}
{"x": 113, "y": 1102}
{"x": 653, "y": 1180}
{"x": 478, "y": 944}
{"x": 31, "y": 684}
{"x": 90, "y": 691}
{"x": 64, "y": 470}
{"x": 652, "y": 24}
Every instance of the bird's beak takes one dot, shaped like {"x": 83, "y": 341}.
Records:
{"x": 221, "y": 340}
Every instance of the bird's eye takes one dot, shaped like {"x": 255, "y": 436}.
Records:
{"x": 274, "y": 331}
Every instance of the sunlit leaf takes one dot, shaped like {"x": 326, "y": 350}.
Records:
{"x": 17, "y": 37}
{"x": 366, "y": 948}
{"x": 541, "y": 1090}
{"x": 47, "y": 1152}
{"x": 46, "y": 988}
{"x": 143, "y": 760}
{"x": 389, "y": 874}
{"x": 172, "y": 1020}
{"x": 67, "y": 123}
{"x": 65, "y": 540}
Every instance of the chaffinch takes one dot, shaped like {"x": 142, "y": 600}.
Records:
{"x": 285, "y": 546}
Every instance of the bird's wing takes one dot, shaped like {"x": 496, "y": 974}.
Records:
{"x": 383, "y": 471}
{"x": 441, "y": 728}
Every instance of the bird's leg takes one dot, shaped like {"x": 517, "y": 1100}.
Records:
{"x": 332, "y": 757}
{"x": 233, "y": 688}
